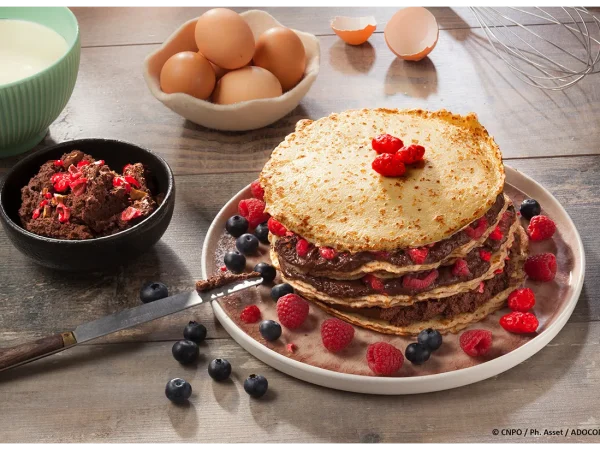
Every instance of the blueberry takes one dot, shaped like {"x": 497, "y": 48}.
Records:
{"x": 195, "y": 332}
{"x": 247, "y": 244}
{"x": 530, "y": 208}
{"x": 279, "y": 290}
{"x": 267, "y": 271}
{"x": 178, "y": 390}
{"x": 270, "y": 330}
{"x": 185, "y": 351}
{"x": 256, "y": 385}
{"x": 417, "y": 353}
{"x": 236, "y": 225}
{"x": 219, "y": 369}
{"x": 430, "y": 338}
{"x": 235, "y": 261}
{"x": 262, "y": 233}
{"x": 152, "y": 291}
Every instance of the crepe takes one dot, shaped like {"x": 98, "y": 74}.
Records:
{"x": 319, "y": 182}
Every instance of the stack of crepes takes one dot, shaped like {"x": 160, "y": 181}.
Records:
{"x": 440, "y": 247}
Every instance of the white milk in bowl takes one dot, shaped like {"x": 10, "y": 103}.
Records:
{"x": 27, "y": 48}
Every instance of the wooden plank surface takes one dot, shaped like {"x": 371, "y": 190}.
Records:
{"x": 122, "y": 26}
{"x": 114, "y": 393}
{"x": 111, "y": 100}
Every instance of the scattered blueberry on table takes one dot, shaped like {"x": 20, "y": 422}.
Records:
{"x": 178, "y": 390}
{"x": 195, "y": 332}
{"x": 152, "y": 291}
{"x": 185, "y": 351}
{"x": 219, "y": 369}
{"x": 256, "y": 385}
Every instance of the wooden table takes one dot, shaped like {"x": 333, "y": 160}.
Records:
{"x": 112, "y": 389}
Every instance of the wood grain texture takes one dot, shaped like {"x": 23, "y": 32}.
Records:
{"x": 35, "y": 301}
{"x": 112, "y": 100}
{"x": 123, "y": 26}
{"x": 21, "y": 353}
{"x": 112, "y": 393}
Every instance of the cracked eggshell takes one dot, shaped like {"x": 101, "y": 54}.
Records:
{"x": 412, "y": 33}
{"x": 354, "y": 30}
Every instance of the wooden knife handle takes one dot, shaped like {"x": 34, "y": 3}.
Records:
{"x": 20, "y": 354}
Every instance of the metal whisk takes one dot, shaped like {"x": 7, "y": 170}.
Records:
{"x": 544, "y": 56}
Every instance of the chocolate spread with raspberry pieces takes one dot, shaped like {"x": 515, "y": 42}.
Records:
{"x": 395, "y": 286}
{"x": 78, "y": 197}
{"x": 347, "y": 262}
{"x": 218, "y": 281}
{"x": 464, "y": 302}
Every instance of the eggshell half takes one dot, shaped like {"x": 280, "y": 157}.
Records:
{"x": 412, "y": 33}
{"x": 354, "y": 30}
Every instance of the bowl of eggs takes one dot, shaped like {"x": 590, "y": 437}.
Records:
{"x": 233, "y": 72}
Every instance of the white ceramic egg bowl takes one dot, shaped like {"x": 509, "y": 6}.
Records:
{"x": 248, "y": 115}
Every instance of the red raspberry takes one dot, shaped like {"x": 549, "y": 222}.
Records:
{"x": 485, "y": 255}
{"x": 257, "y": 190}
{"x": 292, "y": 311}
{"x": 496, "y": 235}
{"x": 521, "y": 300}
{"x": 276, "y": 227}
{"x": 381, "y": 255}
{"x": 59, "y": 163}
{"x": 250, "y": 314}
{"x": 336, "y": 334}
{"x": 386, "y": 143}
{"x": 388, "y": 165}
{"x": 375, "y": 283}
{"x": 130, "y": 213}
{"x": 384, "y": 359}
{"x": 412, "y": 154}
{"x": 291, "y": 347}
{"x": 476, "y": 342}
{"x": 418, "y": 255}
{"x": 519, "y": 322}
{"x": 461, "y": 268}
{"x": 481, "y": 287}
{"x": 497, "y": 271}
{"x": 253, "y": 210}
{"x": 36, "y": 213}
{"x": 412, "y": 282}
{"x": 64, "y": 213}
{"x": 327, "y": 252}
{"x": 541, "y": 267}
{"x": 302, "y": 247}
{"x": 83, "y": 162}
{"x": 48, "y": 195}
{"x": 477, "y": 232}
{"x": 540, "y": 228}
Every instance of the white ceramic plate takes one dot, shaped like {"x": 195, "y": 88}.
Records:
{"x": 570, "y": 288}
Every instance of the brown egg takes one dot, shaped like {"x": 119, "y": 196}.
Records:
{"x": 247, "y": 83}
{"x": 281, "y": 52}
{"x": 224, "y": 38}
{"x": 188, "y": 72}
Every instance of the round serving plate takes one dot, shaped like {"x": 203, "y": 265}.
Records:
{"x": 449, "y": 367}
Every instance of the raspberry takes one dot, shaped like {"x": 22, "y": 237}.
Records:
{"x": 78, "y": 186}
{"x": 388, "y": 165}
{"x": 521, "y": 300}
{"x": 418, "y": 255}
{"x": 276, "y": 227}
{"x": 476, "y": 342}
{"x": 336, "y": 334}
{"x": 481, "y": 287}
{"x": 477, "y": 232}
{"x": 36, "y": 213}
{"x": 327, "y": 252}
{"x": 411, "y": 154}
{"x": 461, "y": 268}
{"x": 375, "y": 283}
{"x": 257, "y": 190}
{"x": 302, "y": 247}
{"x": 412, "y": 282}
{"x": 253, "y": 210}
{"x": 83, "y": 162}
{"x": 519, "y": 322}
{"x": 485, "y": 255}
{"x": 384, "y": 359}
{"x": 292, "y": 311}
{"x": 506, "y": 218}
{"x": 497, "y": 271}
{"x": 381, "y": 255}
{"x": 129, "y": 214}
{"x": 64, "y": 213}
{"x": 541, "y": 267}
{"x": 386, "y": 143}
{"x": 541, "y": 228}
{"x": 250, "y": 314}
{"x": 291, "y": 347}
{"x": 496, "y": 235}
{"x": 59, "y": 163}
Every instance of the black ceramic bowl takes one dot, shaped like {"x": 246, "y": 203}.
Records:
{"x": 88, "y": 254}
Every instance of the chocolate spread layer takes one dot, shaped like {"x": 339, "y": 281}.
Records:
{"x": 77, "y": 197}
{"x": 399, "y": 286}
{"x": 465, "y": 302}
{"x": 347, "y": 262}
{"x": 218, "y": 281}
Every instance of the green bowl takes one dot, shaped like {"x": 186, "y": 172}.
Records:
{"x": 30, "y": 105}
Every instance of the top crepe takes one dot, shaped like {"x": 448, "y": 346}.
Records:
{"x": 319, "y": 182}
